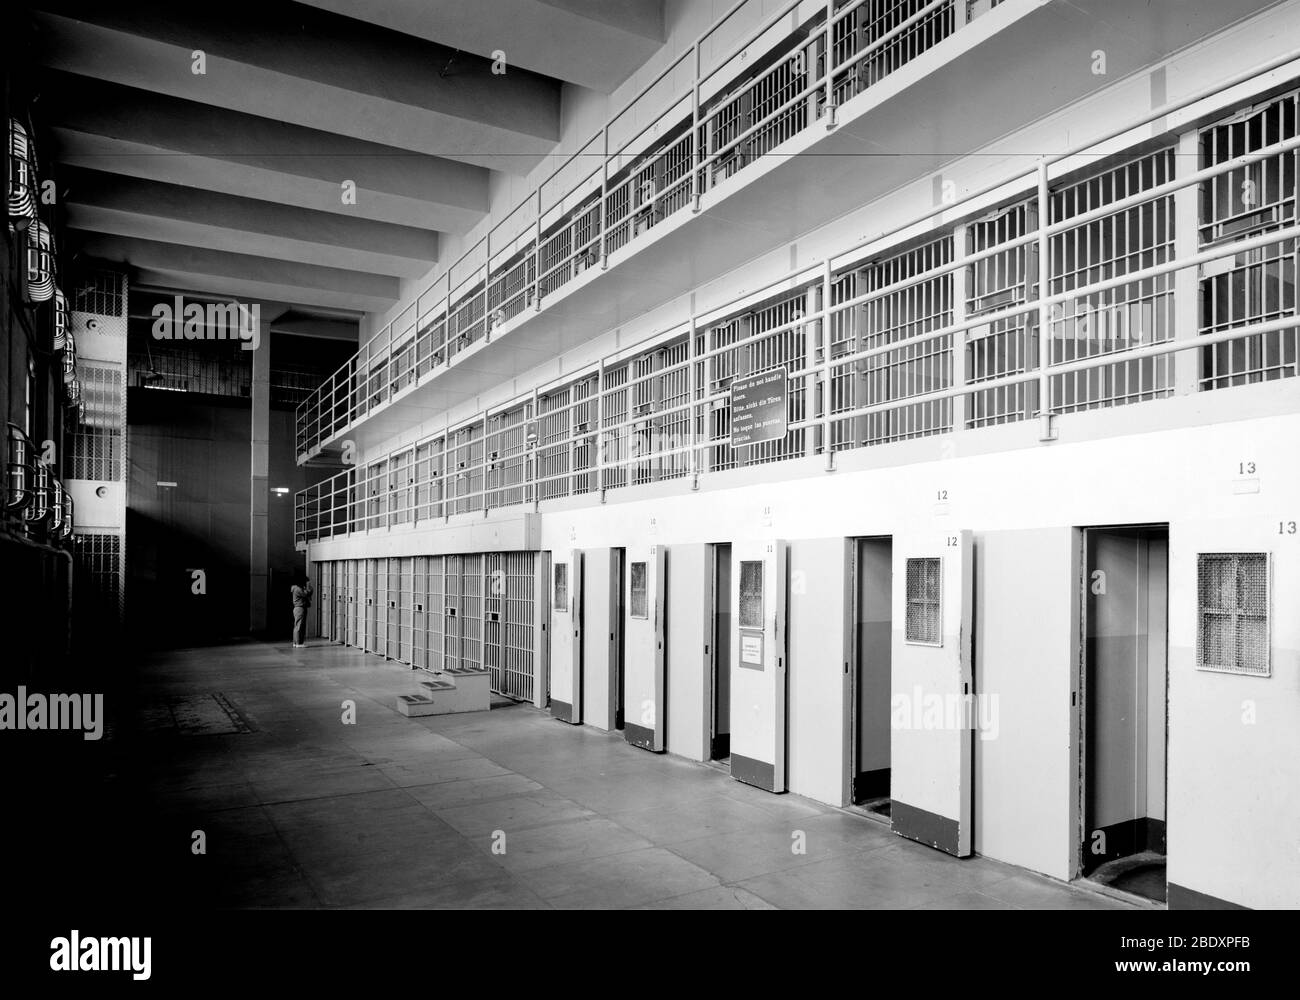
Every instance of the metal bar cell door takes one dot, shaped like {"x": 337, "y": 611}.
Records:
{"x": 932, "y": 689}
{"x": 451, "y": 622}
{"x": 393, "y": 609}
{"x": 644, "y": 704}
{"x": 419, "y": 600}
{"x": 758, "y": 664}
{"x": 436, "y": 615}
{"x": 566, "y": 636}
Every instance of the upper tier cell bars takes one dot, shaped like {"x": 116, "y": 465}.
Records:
{"x": 1258, "y": 284}
{"x": 929, "y": 337}
{"x": 702, "y": 131}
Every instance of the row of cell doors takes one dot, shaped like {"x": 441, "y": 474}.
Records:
{"x": 446, "y": 612}
{"x": 897, "y": 614}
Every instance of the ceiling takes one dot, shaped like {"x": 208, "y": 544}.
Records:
{"x": 217, "y": 153}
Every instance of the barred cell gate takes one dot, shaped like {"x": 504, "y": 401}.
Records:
{"x": 473, "y": 611}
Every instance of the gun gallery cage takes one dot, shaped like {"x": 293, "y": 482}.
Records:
{"x": 445, "y": 612}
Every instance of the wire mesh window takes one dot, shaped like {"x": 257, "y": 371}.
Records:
{"x": 561, "y": 593}
{"x": 100, "y": 575}
{"x": 1122, "y": 318}
{"x": 1257, "y": 285}
{"x": 751, "y": 593}
{"x": 97, "y": 442}
{"x": 101, "y": 293}
{"x": 924, "y": 602}
{"x": 1233, "y": 613}
{"x": 640, "y": 601}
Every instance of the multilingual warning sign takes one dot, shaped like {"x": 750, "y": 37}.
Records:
{"x": 759, "y": 408}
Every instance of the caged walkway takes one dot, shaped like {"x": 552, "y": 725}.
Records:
{"x": 246, "y": 743}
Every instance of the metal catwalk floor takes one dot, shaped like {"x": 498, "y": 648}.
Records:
{"x": 245, "y": 743}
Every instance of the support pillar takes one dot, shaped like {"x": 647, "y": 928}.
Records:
{"x": 259, "y": 483}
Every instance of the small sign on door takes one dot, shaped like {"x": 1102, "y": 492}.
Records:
{"x": 751, "y": 651}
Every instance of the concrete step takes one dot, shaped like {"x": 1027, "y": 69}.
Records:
{"x": 449, "y": 692}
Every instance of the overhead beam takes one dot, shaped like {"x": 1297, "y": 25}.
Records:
{"x": 241, "y": 275}
{"x": 313, "y": 69}
{"x": 596, "y": 44}
{"x": 170, "y": 213}
{"x": 129, "y": 131}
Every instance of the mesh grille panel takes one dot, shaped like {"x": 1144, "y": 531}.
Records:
{"x": 924, "y": 616}
{"x": 751, "y": 594}
{"x": 97, "y": 442}
{"x": 640, "y": 601}
{"x": 100, "y": 565}
{"x": 1232, "y": 605}
{"x": 561, "y": 587}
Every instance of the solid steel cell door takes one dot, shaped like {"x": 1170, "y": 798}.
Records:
{"x": 566, "y": 636}
{"x": 932, "y": 696}
{"x": 758, "y": 664}
{"x": 644, "y": 704}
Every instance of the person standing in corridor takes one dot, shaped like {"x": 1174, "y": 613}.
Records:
{"x": 301, "y": 592}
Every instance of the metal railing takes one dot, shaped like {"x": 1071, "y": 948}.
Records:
{"x": 1060, "y": 300}
{"x": 702, "y": 131}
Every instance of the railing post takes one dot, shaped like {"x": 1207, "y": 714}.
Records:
{"x": 829, "y": 44}
{"x": 537, "y": 253}
{"x": 604, "y": 195}
{"x": 1186, "y": 372}
{"x": 691, "y": 468}
{"x": 697, "y": 149}
{"x": 600, "y": 429}
{"x": 828, "y": 277}
{"x": 1046, "y": 432}
{"x": 960, "y": 293}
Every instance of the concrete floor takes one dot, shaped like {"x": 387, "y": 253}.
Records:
{"x": 301, "y": 810}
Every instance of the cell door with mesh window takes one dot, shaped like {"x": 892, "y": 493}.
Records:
{"x": 566, "y": 635}
{"x": 758, "y": 664}
{"x": 644, "y": 701}
{"x": 932, "y": 688}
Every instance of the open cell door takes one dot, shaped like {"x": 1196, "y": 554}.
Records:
{"x": 566, "y": 636}
{"x": 644, "y": 704}
{"x": 932, "y": 696}
{"x": 758, "y": 664}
